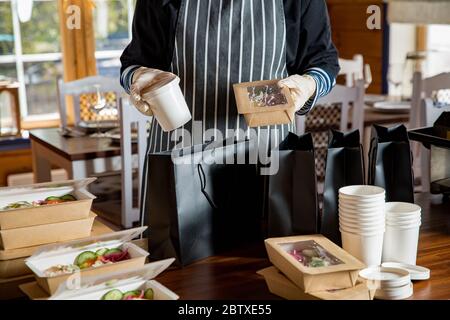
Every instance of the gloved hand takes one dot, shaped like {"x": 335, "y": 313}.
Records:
{"x": 302, "y": 88}
{"x": 143, "y": 81}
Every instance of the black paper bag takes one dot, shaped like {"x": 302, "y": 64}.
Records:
{"x": 201, "y": 201}
{"x": 390, "y": 163}
{"x": 293, "y": 204}
{"x": 344, "y": 167}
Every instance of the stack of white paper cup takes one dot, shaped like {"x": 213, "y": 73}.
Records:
{"x": 403, "y": 222}
{"x": 362, "y": 222}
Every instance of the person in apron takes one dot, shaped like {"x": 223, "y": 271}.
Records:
{"x": 212, "y": 44}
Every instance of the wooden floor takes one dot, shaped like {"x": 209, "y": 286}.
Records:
{"x": 233, "y": 275}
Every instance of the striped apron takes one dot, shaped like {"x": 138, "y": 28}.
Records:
{"x": 219, "y": 43}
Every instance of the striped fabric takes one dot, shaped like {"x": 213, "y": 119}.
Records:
{"x": 324, "y": 85}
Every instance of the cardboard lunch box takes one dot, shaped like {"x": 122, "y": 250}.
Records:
{"x": 340, "y": 273}
{"x": 65, "y": 254}
{"x": 281, "y": 286}
{"x": 94, "y": 288}
{"x": 46, "y": 233}
{"x": 264, "y": 103}
{"x": 46, "y": 214}
{"x": 98, "y": 228}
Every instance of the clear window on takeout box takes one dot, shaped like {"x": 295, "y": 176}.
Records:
{"x": 310, "y": 254}
{"x": 266, "y": 95}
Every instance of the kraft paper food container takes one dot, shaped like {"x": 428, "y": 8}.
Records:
{"x": 47, "y": 214}
{"x": 14, "y": 268}
{"x": 46, "y": 233}
{"x": 65, "y": 254}
{"x": 262, "y": 111}
{"x": 98, "y": 228}
{"x": 94, "y": 288}
{"x": 340, "y": 273}
{"x": 281, "y": 286}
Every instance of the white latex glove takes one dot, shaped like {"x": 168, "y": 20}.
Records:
{"x": 143, "y": 80}
{"x": 302, "y": 88}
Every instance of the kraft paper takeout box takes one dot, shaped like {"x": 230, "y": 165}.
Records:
{"x": 64, "y": 254}
{"x": 94, "y": 288}
{"x": 12, "y": 262}
{"x": 281, "y": 286}
{"x": 257, "y": 116}
{"x": 46, "y": 233}
{"x": 48, "y": 214}
{"x": 98, "y": 229}
{"x": 310, "y": 279}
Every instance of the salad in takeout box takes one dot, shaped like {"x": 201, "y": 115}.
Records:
{"x": 50, "y": 202}
{"x": 54, "y": 264}
{"x": 313, "y": 262}
{"x": 135, "y": 284}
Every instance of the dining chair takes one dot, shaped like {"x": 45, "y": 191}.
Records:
{"x": 82, "y": 91}
{"x": 425, "y": 109}
{"x": 342, "y": 109}
{"x": 132, "y": 120}
{"x": 352, "y": 69}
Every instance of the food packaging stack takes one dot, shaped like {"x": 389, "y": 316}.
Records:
{"x": 40, "y": 214}
{"x": 106, "y": 267}
{"x": 313, "y": 267}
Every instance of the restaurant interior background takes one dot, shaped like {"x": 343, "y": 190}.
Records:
{"x": 37, "y": 50}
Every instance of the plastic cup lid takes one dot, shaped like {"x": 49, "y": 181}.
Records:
{"x": 416, "y": 272}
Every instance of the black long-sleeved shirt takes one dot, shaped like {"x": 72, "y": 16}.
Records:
{"x": 309, "y": 48}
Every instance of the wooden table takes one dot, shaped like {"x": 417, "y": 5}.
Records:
{"x": 233, "y": 275}
{"x": 78, "y": 156}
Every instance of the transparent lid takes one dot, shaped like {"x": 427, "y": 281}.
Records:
{"x": 84, "y": 285}
{"x": 39, "y": 187}
{"x": 79, "y": 245}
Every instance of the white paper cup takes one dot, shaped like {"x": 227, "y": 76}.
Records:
{"x": 403, "y": 222}
{"x": 402, "y": 208}
{"x": 168, "y": 105}
{"x": 400, "y": 244}
{"x": 358, "y": 219}
{"x": 356, "y": 210}
{"x": 362, "y": 230}
{"x": 367, "y": 249}
{"x": 362, "y": 192}
{"x": 356, "y": 205}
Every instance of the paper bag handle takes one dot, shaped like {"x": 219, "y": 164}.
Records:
{"x": 202, "y": 176}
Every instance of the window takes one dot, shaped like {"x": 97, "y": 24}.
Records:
{"x": 112, "y": 37}
{"x": 31, "y": 52}
{"x": 439, "y": 49}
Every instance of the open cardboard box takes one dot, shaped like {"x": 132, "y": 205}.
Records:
{"x": 65, "y": 254}
{"x": 341, "y": 273}
{"x": 259, "y": 114}
{"x": 281, "y": 286}
{"x": 94, "y": 288}
{"x": 47, "y": 214}
{"x": 46, "y": 233}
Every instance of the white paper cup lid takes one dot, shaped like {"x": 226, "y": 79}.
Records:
{"x": 416, "y": 272}
{"x": 386, "y": 277}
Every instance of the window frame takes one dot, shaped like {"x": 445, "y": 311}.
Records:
{"x": 19, "y": 58}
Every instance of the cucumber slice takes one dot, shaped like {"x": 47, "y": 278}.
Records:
{"x": 113, "y": 295}
{"x": 101, "y": 252}
{"x": 85, "y": 259}
{"x": 53, "y": 199}
{"x": 68, "y": 197}
{"x": 149, "y": 294}
{"x": 134, "y": 294}
{"x": 111, "y": 251}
